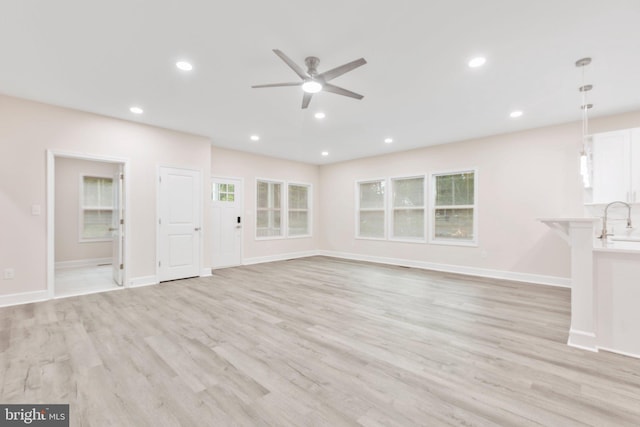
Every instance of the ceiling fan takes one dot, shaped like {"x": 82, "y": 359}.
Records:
{"x": 312, "y": 82}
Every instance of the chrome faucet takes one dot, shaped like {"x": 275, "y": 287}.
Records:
{"x": 604, "y": 233}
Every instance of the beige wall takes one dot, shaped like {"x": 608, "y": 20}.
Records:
{"x": 67, "y": 209}
{"x": 28, "y": 129}
{"x": 521, "y": 176}
{"x": 236, "y": 164}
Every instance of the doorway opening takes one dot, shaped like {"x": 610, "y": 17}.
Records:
{"x": 86, "y": 209}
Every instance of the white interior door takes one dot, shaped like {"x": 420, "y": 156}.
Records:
{"x": 227, "y": 221}
{"x": 117, "y": 226}
{"x": 179, "y": 222}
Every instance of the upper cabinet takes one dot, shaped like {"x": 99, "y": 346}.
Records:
{"x": 616, "y": 166}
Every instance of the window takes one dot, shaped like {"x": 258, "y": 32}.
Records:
{"x": 298, "y": 210}
{"x": 407, "y": 208}
{"x": 454, "y": 208}
{"x": 96, "y": 208}
{"x": 371, "y": 209}
{"x": 223, "y": 192}
{"x": 269, "y": 207}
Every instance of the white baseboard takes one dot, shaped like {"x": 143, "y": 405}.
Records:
{"x": 624, "y": 353}
{"x": 137, "y": 282}
{"x": 23, "y": 298}
{"x": 279, "y": 257}
{"x": 92, "y": 262}
{"x": 459, "y": 269}
{"x": 582, "y": 340}
{"x": 205, "y": 272}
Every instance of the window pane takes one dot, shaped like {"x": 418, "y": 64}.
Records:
{"x": 263, "y": 194}
{"x": 408, "y": 192}
{"x": 230, "y": 197}
{"x": 91, "y": 196}
{"x": 463, "y": 189}
{"x": 408, "y": 223}
{"x": 298, "y": 197}
{"x": 298, "y": 223}
{"x": 231, "y": 188}
{"x": 96, "y": 224}
{"x": 276, "y": 188}
{"x": 372, "y": 224}
{"x": 223, "y": 197}
{"x": 444, "y": 190}
{"x": 454, "y": 224}
{"x": 262, "y": 219}
{"x": 106, "y": 193}
{"x": 372, "y": 195}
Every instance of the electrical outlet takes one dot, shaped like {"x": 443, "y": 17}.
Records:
{"x": 9, "y": 273}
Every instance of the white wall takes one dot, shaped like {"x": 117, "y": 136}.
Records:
{"x": 28, "y": 129}
{"x": 230, "y": 163}
{"x": 68, "y": 174}
{"x": 521, "y": 176}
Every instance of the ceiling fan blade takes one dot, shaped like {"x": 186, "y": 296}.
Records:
{"x": 277, "y": 85}
{"x": 338, "y": 71}
{"x": 327, "y": 87}
{"x": 295, "y": 67}
{"x": 306, "y": 99}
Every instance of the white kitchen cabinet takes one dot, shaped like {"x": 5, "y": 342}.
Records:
{"x": 616, "y": 166}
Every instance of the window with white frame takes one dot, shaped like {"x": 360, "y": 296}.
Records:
{"x": 454, "y": 207}
{"x": 371, "y": 209}
{"x": 222, "y": 192}
{"x": 298, "y": 204}
{"x": 268, "y": 209}
{"x": 96, "y": 208}
{"x": 407, "y": 208}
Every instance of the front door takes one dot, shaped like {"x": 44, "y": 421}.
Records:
{"x": 226, "y": 194}
{"x": 179, "y": 223}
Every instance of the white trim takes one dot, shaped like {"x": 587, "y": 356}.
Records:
{"x": 624, "y": 353}
{"x": 50, "y": 173}
{"x": 206, "y": 272}
{"x": 79, "y": 263}
{"x": 279, "y": 257}
{"x": 582, "y": 340}
{"x": 137, "y": 282}
{"x": 537, "y": 279}
{"x": 23, "y": 298}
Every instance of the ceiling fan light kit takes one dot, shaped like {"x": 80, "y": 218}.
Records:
{"x": 314, "y": 82}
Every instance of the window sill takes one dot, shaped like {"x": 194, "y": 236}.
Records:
{"x": 443, "y": 242}
{"x": 97, "y": 240}
{"x": 408, "y": 240}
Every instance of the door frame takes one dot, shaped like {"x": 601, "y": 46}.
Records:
{"x": 51, "y": 176}
{"x": 244, "y": 216}
{"x": 201, "y": 271}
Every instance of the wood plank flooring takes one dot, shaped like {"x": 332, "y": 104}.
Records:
{"x": 315, "y": 342}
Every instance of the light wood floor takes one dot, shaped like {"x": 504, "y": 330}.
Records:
{"x": 316, "y": 341}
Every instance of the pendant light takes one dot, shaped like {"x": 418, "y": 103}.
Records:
{"x": 585, "y": 153}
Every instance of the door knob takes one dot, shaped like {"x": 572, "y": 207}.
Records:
{"x": 196, "y": 229}
{"x": 112, "y": 229}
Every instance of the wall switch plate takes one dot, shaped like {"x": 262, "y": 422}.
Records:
{"x": 9, "y": 273}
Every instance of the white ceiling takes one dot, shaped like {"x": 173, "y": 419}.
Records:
{"x": 106, "y": 56}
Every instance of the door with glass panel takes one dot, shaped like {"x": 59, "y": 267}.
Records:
{"x": 226, "y": 198}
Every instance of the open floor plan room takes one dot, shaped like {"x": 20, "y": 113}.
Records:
{"x": 316, "y": 341}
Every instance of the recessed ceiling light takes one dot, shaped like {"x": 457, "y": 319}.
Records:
{"x": 254, "y": 137}
{"x": 136, "y": 110}
{"x": 515, "y": 114}
{"x": 325, "y": 153}
{"x": 388, "y": 140}
{"x": 478, "y": 61}
{"x": 184, "y": 65}
{"x": 320, "y": 115}
{"x": 311, "y": 86}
